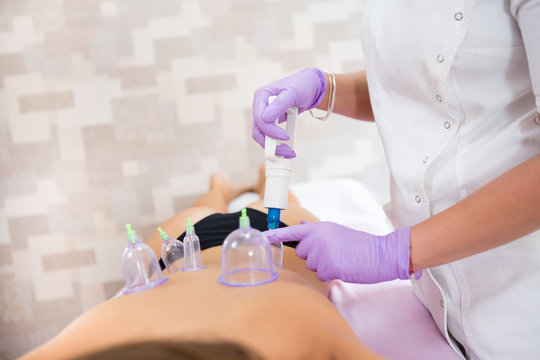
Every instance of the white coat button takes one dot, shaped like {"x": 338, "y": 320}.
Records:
{"x": 446, "y": 125}
{"x": 417, "y": 198}
{"x": 424, "y": 160}
{"x": 439, "y": 98}
{"x": 440, "y": 58}
{"x": 458, "y": 16}
{"x": 442, "y": 303}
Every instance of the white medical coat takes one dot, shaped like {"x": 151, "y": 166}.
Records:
{"x": 455, "y": 90}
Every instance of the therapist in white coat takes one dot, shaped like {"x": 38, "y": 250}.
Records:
{"x": 454, "y": 89}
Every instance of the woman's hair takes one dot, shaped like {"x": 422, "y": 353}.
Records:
{"x": 177, "y": 350}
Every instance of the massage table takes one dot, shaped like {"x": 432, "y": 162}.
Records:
{"x": 387, "y": 317}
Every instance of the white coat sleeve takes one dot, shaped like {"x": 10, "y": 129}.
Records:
{"x": 527, "y": 15}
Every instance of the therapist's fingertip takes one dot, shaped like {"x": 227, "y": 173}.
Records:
{"x": 311, "y": 263}
{"x": 274, "y": 240}
{"x": 286, "y": 151}
{"x": 275, "y": 132}
{"x": 303, "y": 222}
{"x": 269, "y": 234}
{"x": 301, "y": 252}
{"x": 323, "y": 277}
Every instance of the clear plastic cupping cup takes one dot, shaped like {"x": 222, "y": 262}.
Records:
{"x": 246, "y": 257}
{"x": 140, "y": 265}
{"x": 172, "y": 252}
{"x": 277, "y": 254}
{"x": 192, "y": 249}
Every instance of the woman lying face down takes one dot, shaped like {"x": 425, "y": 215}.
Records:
{"x": 193, "y": 316}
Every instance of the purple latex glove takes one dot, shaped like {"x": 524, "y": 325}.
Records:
{"x": 338, "y": 252}
{"x": 304, "y": 90}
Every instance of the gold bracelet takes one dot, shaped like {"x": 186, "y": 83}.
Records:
{"x": 331, "y": 100}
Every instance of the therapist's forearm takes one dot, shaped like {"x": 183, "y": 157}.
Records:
{"x": 503, "y": 210}
{"x": 352, "y": 96}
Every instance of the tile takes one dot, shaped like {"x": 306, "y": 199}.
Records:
{"x": 68, "y": 260}
{"x": 46, "y": 101}
{"x": 48, "y": 15}
{"x": 4, "y": 145}
{"x": 21, "y": 34}
{"x": 188, "y": 17}
{"x": 327, "y": 32}
{"x": 94, "y": 99}
{"x": 30, "y": 128}
{"x": 88, "y": 201}
{"x": 53, "y": 287}
{"x": 136, "y": 77}
{"x": 36, "y": 203}
{"x": 210, "y": 83}
{"x": 5, "y": 19}
{"x": 82, "y": 14}
{"x": 71, "y": 149}
{"x": 170, "y": 48}
{"x": 110, "y": 288}
{"x": 5, "y": 255}
{"x": 62, "y": 43}
{"x": 109, "y": 249}
{"x": 137, "y": 118}
{"x": 20, "y": 228}
{"x": 293, "y": 60}
{"x": 5, "y": 237}
{"x": 108, "y": 8}
{"x": 130, "y": 168}
{"x": 196, "y": 109}
{"x": 162, "y": 202}
{"x": 183, "y": 202}
{"x": 50, "y": 66}
{"x": 68, "y": 223}
{"x": 91, "y": 294}
{"x": 32, "y": 158}
{"x": 18, "y": 183}
{"x": 11, "y": 64}
{"x": 124, "y": 207}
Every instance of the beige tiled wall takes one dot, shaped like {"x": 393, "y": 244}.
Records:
{"x": 117, "y": 111}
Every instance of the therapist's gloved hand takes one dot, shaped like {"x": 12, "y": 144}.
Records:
{"x": 304, "y": 90}
{"x": 338, "y": 252}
